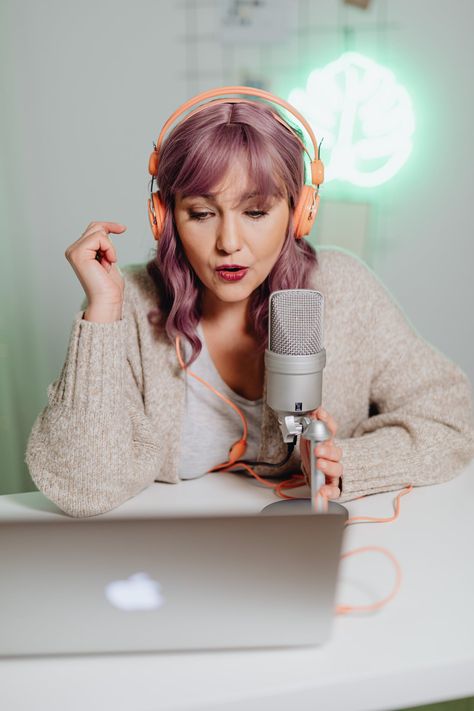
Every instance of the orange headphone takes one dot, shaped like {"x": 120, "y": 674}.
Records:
{"x": 308, "y": 202}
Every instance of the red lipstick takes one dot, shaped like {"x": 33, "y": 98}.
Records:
{"x": 232, "y": 272}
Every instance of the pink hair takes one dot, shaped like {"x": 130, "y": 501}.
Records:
{"x": 194, "y": 159}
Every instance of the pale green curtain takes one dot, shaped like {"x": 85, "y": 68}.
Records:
{"x": 22, "y": 368}
{"x": 22, "y": 393}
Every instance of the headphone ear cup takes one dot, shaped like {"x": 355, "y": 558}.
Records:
{"x": 305, "y": 211}
{"x": 157, "y": 220}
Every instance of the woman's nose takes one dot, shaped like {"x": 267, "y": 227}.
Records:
{"x": 228, "y": 235}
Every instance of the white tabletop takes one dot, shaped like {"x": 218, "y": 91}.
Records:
{"x": 418, "y": 649}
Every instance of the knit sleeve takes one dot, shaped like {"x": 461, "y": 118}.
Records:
{"x": 423, "y": 429}
{"x": 91, "y": 448}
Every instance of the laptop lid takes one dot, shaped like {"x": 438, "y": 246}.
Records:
{"x": 168, "y": 583}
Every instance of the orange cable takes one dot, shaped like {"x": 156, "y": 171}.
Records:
{"x": 299, "y": 479}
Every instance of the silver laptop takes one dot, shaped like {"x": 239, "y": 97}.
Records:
{"x": 169, "y": 583}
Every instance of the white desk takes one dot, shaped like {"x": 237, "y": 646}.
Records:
{"x": 418, "y": 649}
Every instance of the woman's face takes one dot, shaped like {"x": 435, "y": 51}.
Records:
{"x": 229, "y": 227}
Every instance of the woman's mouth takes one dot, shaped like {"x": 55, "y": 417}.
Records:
{"x": 232, "y": 273}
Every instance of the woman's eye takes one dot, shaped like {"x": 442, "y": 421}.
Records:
{"x": 198, "y": 215}
{"x": 255, "y": 214}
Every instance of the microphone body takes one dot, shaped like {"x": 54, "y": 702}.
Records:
{"x": 294, "y": 362}
{"x": 294, "y": 383}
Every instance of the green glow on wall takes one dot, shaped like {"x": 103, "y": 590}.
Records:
{"x": 364, "y": 116}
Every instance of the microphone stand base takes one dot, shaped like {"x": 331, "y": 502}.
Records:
{"x": 293, "y": 506}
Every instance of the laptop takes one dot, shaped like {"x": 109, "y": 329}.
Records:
{"x": 169, "y": 583}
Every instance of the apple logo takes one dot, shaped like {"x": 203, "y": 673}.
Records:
{"x": 138, "y": 592}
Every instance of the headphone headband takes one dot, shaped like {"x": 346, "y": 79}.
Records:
{"x": 317, "y": 170}
{"x": 308, "y": 201}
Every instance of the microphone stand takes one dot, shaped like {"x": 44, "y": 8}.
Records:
{"x": 315, "y": 431}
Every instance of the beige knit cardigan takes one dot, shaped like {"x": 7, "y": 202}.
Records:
{"x": 111, "y": 425}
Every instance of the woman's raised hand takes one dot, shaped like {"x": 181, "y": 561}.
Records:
{"x": 93, "y": 259}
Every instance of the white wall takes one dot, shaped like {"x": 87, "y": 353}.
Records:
{"x": 87, "y": 86}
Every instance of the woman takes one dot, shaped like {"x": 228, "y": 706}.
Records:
{"x": 123, "y": 413}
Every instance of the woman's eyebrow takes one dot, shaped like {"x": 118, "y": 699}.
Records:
{"x": 211, "y": 196}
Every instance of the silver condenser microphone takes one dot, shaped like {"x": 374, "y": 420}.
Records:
{"x": 294, "y": 361}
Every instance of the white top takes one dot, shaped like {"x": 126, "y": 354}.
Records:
{"x": 210, "y": 425}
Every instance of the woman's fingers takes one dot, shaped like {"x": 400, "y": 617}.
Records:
{"x": 329, "y": 421}
{"x": 328, "y": 461}
{"x": 327, "y": 455}
{"x": 330, "y": 492}
{"x": 114, "y": 227}
{"x": 102, "y": 282}
{"x": 330, "y": 469}
{"x": 328, "y": 450}
{"x": 102, "y": 241}
{"x": 102, "y": 230}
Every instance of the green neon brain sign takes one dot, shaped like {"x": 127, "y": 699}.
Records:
{"x": 365, "y": 117}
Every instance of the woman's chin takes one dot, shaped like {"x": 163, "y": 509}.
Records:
{"x": 232, "y": 290}
{"x": 231, "y": 296}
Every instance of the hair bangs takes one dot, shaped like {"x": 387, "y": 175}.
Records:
{"x": 206, "y": 166}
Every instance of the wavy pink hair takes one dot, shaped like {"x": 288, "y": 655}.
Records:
{"x": 194, "y": 159}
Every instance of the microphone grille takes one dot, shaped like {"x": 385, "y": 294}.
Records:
{"x": 296, "y": 322}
